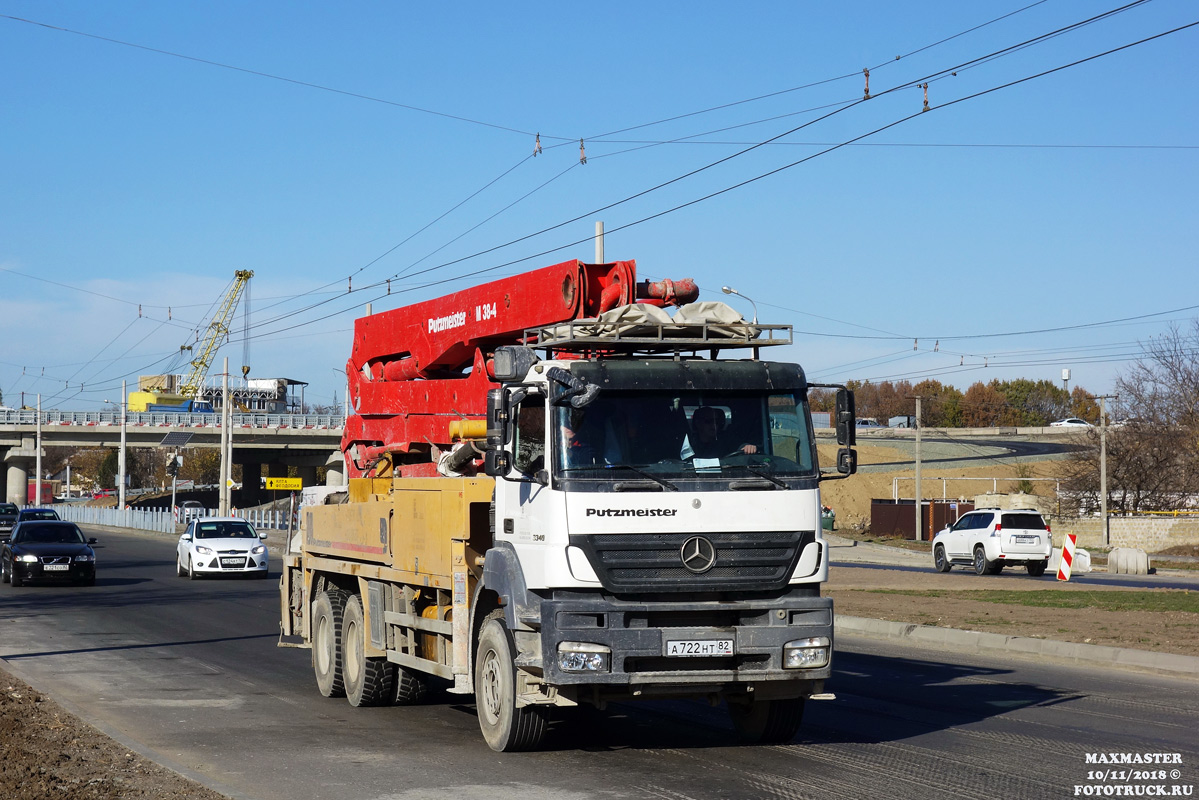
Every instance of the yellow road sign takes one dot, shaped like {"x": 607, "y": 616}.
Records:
{"x": 292, "y": 484}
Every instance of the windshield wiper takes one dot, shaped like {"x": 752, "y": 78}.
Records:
{"x": 633, "y": 485}
{"x": 762, "y": 475}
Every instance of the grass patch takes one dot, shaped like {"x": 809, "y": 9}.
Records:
{"x": 1160, "y": 600}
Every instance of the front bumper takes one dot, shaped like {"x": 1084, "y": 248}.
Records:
{"x": 229, "y": 564}
{"x": 636, "y": 632}
{"x": 33, "y": 571}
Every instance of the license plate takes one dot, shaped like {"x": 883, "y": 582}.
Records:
{"x": 56, "y": 567}
{"x": 233, "y": 562}
{"x": 699, "y": 647}
{"x": 1026, "y": 540}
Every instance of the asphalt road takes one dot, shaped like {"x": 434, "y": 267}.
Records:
{"x": 189, "y": 672}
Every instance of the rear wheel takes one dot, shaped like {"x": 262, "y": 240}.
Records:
{"x": 981, "y": 565}
{"x": 327, "y": 612}
{"x": 1036, "y": 568}
{"x": 411, "y": 687}
{"x": 505, "y": 726}
{"x": 940, "y": 561}
{"x": 767, "y": 721}
{"x": 368, "y": 680}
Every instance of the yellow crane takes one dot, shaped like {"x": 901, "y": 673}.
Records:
{"x": 187, "y": 398}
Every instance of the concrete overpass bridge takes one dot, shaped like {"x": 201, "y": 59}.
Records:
{"x": 265, "y": 445}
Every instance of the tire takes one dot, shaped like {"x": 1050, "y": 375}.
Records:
{"x": 996, "y": 568}
{"x": 179, "y": 570}
{"x": 940, "y": 561}
{"x": 411, "y": 687}
{"x": 367, "y": 681}
{"x": 191, "y": 570}
{"x": 3, "y": 574}
{"x": 505, "y": 727}
{"x": 1036, "y": 568}
{"x": 981, "y": 565}
{"x": 327, "y": 612}
{"x": 14, "y": 577}
{"x": 767, "y": 721}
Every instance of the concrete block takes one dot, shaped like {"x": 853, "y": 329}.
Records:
{"x": 1080, "y": 566}
{"x": 1127, "y": 561}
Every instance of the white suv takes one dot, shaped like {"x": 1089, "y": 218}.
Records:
{"x": 990, "y": 539}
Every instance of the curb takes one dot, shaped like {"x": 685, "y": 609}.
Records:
{"x": 979, "y": 642}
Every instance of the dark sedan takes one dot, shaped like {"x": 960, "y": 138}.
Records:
{"x": 47, "y": 550}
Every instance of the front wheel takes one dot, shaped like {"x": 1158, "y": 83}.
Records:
{"x": 3, "y": 574}
{"x": 14, "y": 576}
{"x": 192, "y": 575}
{"x": 368, "y": 681}
{"x": 179, "y": 570}
{"x": 940, "y": 561}
{"x": 506, "y": 727}
{"x": 767, "y": 721}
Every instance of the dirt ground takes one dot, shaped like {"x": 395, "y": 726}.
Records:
{"x": 46, "y": 752}
{"x": 853, "y": 593}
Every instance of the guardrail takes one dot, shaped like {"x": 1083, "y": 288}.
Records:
{"x": 164, "y": 520}
{"x": 170, "y": 418}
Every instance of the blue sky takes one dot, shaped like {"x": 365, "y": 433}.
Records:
{"x": 151, "y": 149}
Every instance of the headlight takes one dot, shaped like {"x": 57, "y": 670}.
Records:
{"x": 204, "y": 551}
{"x": 583, "y": 657}
{"x": 259, "y": 549}
{"x": 806, "y": 653}
{"x": 85, "y": 558}
{"x": 28, "y": 559}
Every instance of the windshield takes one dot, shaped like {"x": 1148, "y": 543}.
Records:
{"x": 225, "y": 530}
{"x": 7, "y": 508}
{"x": 48, "y": 534}
{"x": 692, "y": 434}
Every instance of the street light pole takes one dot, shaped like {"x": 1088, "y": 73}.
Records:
{"x": 37, "y": 480}
{"x": 731, "y": 290}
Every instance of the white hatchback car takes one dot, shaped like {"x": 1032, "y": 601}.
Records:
{"x": 1071, "y": 422}
{"x": 221, "y": 546}
{"x": 990, "y": 539}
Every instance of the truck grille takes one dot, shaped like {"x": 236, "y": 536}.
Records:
{"x": 653, "y": 561}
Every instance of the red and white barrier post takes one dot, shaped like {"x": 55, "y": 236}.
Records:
{"x": 1064, "y": 563}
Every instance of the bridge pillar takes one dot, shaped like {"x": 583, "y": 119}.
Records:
{"x": 251, "y": 484}
{"x": 307, "y": 475}
{"x": 335, "y": 474}
{"x": 16, "y": 488}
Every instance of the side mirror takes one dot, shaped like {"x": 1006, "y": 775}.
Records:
{"x": 846, "y": 420}
{"x": 91, "y": 540}
{"x": 497, "y": 463}
{"x": 847, "y": 461}
{"x": 187, "y": 537}
{"x": 262, "y": 535}
{"x": 497, "y": 418}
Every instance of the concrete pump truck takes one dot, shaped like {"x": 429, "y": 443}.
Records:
{"x": 561, "y": 494}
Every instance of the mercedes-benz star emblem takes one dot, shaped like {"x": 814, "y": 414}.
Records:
{"x": 698, "y": 554}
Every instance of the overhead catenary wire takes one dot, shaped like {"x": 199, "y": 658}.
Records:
{"x": 729, "y": 188}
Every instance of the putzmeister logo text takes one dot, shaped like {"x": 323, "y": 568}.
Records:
{"x": 632, "y": 512}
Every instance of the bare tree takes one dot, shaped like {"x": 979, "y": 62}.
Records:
{"x": 1153, "y": 461}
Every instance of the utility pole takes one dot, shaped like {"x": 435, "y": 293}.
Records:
{"x": 919, "y": 504}
{"x": 121, "y": 457}
{"x": 599, "y": 242}
{"x": 226, "y": 439}
{"x": 1107, "y": 533}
